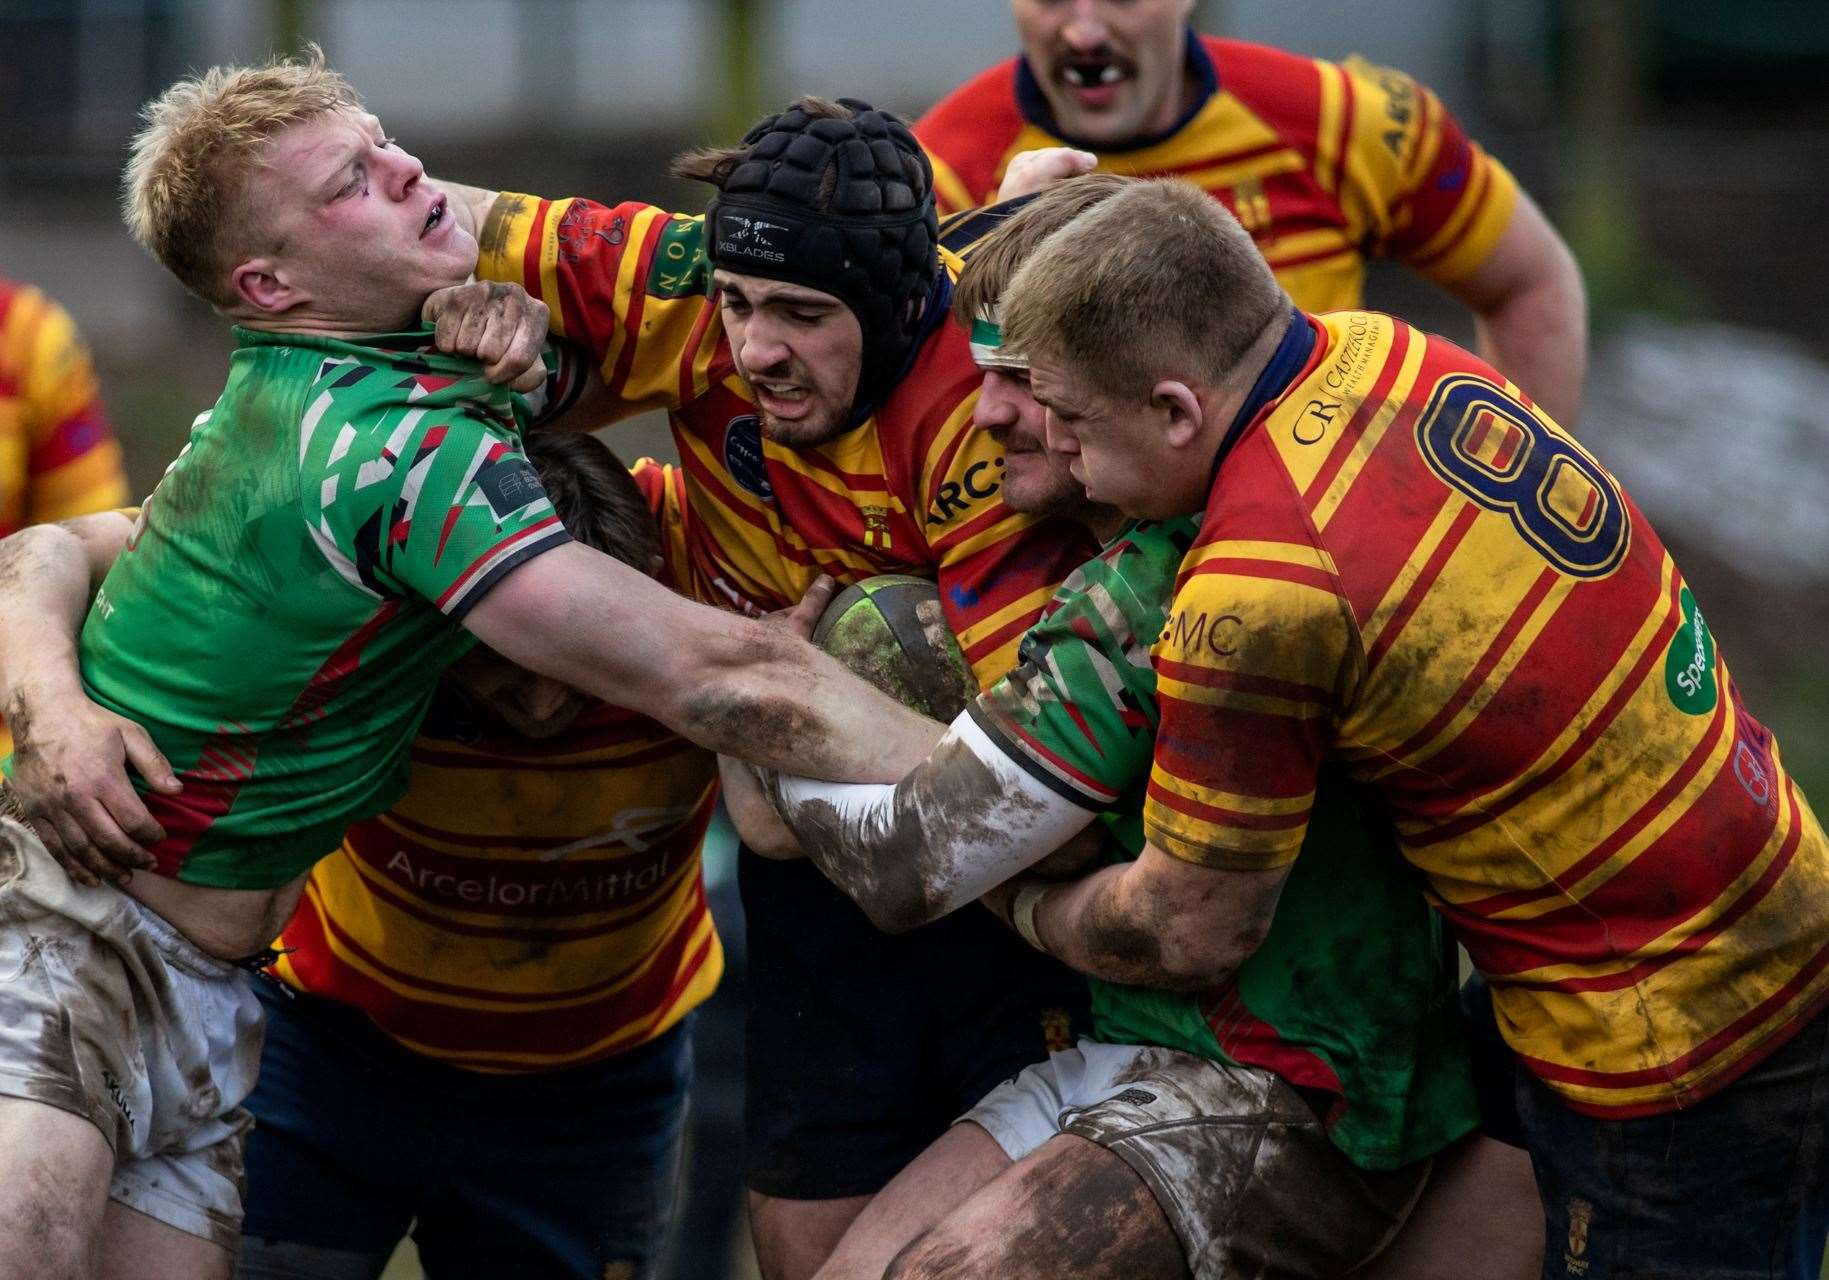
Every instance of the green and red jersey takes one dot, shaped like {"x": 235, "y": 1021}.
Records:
{"x": 294, "y": 587}
{"x": 528, "y": 905}
{"x": 1353, "y": 991}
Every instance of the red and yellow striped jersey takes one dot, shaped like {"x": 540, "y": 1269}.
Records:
{"x": 1323, "y": 162}
{"x": 1408, "y": 569}
{"x": 528, "y": 905}
{"x": 58, "y": 456}
{"x": 912, "y": 490}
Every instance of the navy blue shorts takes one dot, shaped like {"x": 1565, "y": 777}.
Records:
{"x": 1734, "y": 1187}
{"x": 863, "y": 1047}
{"x": 555, "y": 1174}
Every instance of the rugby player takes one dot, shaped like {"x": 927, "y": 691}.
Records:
{"x": 520, "y": 935}
{"x": 58, "y": 456}
{"x": 1406, "y": 571}
{"x": 821, "y": 403}
{"x": 1324, "y": 163}
{"x": 1281, "y": 1122}
{"x": 353, "y": 510}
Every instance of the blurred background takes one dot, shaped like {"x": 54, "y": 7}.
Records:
{"x": 1681, "y": 146}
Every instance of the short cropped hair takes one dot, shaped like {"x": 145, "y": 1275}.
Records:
{"x": 992, "y": 261}
{"x": 596, "y": 498}
{"x": 1157, "y": 281}
{"x": 184, "y": 195}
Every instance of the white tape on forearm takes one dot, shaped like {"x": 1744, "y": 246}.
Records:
{"x": 1022, "y": 914}
{"x": 1005, "y": 823}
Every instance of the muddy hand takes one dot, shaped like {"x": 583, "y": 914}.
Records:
{"x": 499, "y": 325}
{"x": 758, "y": 825}
{"x": 70, "y": 777}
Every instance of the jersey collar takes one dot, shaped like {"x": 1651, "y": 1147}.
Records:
{"x": 1279, "y": 373}
{"x": 415, "y": 341}
{"x": 1034, "y": 104}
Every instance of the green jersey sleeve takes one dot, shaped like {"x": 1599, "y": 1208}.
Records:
{"x": 434, "y": 500}
{"x": 1079, "y": 711}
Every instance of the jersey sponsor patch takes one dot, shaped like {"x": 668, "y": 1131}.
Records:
{"x": 1689, "y": 664}
{"x": 954, "y": 498}
{"x": 743, "y": 456}
{"x": 509, "y": 484}
{"x": 679, "y": 268}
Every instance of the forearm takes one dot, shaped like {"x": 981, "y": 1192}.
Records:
{"x": 1188, "y": 929}
{"x": 965, "y": 818}
{"x": 753, "y": 691}
{"x": 1093, "y": 926}
{"x": 1538, "y": 337}
{"x": 735, "y": 685}
{"x": 45, "y": 582}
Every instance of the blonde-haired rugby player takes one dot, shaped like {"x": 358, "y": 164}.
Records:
{"x": 351, "y": 515}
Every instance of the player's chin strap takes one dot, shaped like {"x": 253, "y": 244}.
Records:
{"x": 976, "y": 816}
{"x": 881, "y": 266}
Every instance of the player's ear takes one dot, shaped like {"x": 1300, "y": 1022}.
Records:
{"x": 265, "y": 285}
{"x": 1184, "y": 412}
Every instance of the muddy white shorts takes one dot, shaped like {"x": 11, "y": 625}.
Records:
{"x": 108, "y": 1012}
{"x": 1236, "y": 1158}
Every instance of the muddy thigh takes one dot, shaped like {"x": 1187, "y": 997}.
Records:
{"x": 1071, "y": 1208}
{"x": 54, "y": 1171}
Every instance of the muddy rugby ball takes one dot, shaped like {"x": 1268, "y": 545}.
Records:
{"x": 891, "y": 631}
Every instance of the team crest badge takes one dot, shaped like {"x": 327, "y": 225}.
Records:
{"x": 876, "y": 526}
{"x": 1581, "y": 1219}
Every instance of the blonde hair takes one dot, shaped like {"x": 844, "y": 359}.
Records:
{"x": 1158, "y": 281}
{"x": 184, "y": 194}
{"x": 991, "y": 262}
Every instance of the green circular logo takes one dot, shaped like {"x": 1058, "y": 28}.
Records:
{"x": 1689, "y": 667}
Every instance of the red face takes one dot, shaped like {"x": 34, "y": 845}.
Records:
{"x": 1123, "y": 454}
{"x": 1112, "y": 70}
{"x": 360, "y": 235}
{"x": 800, "y": 352}
{"x": 1036, "y": 480}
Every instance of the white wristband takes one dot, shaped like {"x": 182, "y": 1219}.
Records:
{"x": 1022, "y": 913}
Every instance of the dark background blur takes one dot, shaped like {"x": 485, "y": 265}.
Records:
{"x": 1679, "y": 145}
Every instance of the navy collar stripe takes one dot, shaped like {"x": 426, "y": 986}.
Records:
{"x": 1279, "y": 373}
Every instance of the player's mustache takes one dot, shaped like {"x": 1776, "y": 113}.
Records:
{"x": 783, "y": 371}
{"x": 1007, "y": 439}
